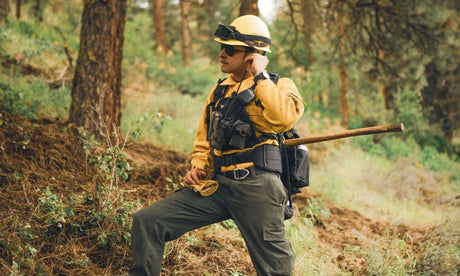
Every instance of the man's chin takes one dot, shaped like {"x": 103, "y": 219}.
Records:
{"x": 223, "y": 69}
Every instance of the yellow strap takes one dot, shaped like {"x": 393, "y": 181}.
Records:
{"x": 267, "y": 142}
{"x": 236, "y": 166}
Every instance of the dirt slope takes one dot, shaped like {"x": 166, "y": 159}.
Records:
{"x": 37, "y": 154}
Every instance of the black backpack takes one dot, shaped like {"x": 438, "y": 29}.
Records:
{"x": 296, "y": 168}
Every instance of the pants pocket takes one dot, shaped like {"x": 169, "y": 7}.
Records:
{"x": 272, "y": 233}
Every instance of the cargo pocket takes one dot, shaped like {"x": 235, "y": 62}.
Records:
{"x": 272, "y": 233}
{"x": 278, "y": 255}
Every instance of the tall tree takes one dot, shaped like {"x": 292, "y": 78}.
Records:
{"x": 96, "y": 86}
{"x": 18, "y": 9}
{"x": 38, "y": 8}
{"x": 249, "y": 7}
{"x": 441, "y": 96}
{"x": 342, "y": 70}
{"x": 392, "y": 35}
{"x": 309, "y": 16}
{"x": 159, "y": 26}
{"x": 186, "y": 36}
{"x": 4, "y": 9}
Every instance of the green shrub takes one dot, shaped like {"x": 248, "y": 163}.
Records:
{"x": 416, "y": 125}
{"x": 26, "y": 28}
{"x": 396, "y": 147}
{"x": 15, "y": 101}
{"x": 436, "y": 161}
{"x": 32, "y": 97}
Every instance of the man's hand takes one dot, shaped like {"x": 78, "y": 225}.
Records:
{"x": 193, "y": 177}
{"x": 256, "y": 62}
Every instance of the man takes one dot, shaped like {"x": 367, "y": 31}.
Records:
{"x": 236, "y": 162}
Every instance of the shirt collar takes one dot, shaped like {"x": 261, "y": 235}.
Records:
{"x": 231, "y": 81}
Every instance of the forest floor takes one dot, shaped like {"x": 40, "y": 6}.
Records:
{"x": 35, "y": 154}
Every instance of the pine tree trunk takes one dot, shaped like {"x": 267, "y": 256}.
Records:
{"x": 18, "y": 9}
{"x": 210, "y": 28}
{"x": 38, "y": 10}
{"x": 159, "y": 26}
{"x": 343, "y": 74}
{"x": 96, "y": 86}
{"x": 186, "y": 36}
{"x": 4, "y": 9}
{"x": 307, "y": 8}
{"x": 249, "y": 7}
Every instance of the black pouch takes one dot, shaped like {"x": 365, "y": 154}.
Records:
{"x": 296, "y": 169}
{"x": 241, "y": 132}
{"x": 288, "y": 209}
{"x": 268, "y": 157}
{"x": 298, "y": 164}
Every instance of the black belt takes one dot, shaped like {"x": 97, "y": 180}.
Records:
{"x": 243, "y": 173}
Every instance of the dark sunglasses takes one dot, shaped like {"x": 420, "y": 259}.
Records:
{"x": 230, "y": 50}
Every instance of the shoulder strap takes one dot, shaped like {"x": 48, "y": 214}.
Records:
{"x": 275, "y": 77}
{"x": 219, "y": 92}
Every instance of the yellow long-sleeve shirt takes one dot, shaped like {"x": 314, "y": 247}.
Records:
{"x": 275, "y": 108}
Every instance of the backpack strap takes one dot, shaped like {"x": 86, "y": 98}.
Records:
{"x": 274, "y": 77}
{"x": 218, "y": 93}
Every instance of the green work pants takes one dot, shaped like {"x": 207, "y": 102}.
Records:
{"x": 256, "y": 204}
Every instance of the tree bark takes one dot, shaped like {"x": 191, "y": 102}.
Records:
{"x": 159, "y": 26}
{"x": 343, "y": 73}
{"x": 4, "y": 9}
{"x": 308, "y": 15}
{"x": 18, "y": 9}
{"x": 38, "y": 10}
{"x": 249, "y": 7}
{"x": 186, "y": 35}
{"x": 96, "y": 86}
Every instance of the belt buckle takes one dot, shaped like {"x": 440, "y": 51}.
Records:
{"x": 236, "y": 173}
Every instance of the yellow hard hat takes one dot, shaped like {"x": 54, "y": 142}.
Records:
{"x": 247, "y": 30}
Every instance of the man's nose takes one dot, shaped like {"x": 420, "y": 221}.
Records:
{"x": 222, "y": 53}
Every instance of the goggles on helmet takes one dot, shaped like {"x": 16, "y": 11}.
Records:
{"x": 230, "y": 32}
{"x": 230, "y": 50}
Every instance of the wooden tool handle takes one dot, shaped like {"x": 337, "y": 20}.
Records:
{"x": 344, "y": 134}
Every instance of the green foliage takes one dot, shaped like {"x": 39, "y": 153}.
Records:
{"x": 169, "y": 73}
{"x": 53, "y": 206}
{"x": 14, "y": 102}
{"x": 409, "y": 111}
{"x": 138, "y": 44}
{"x": 110, "y": 160}
{"x": 38, "y": 40}
{"x": 166, "y": 71}
{"x": 32, "y": 97}
{"x": 152, "y": 122}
